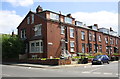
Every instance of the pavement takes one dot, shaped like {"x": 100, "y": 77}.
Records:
{"x": 48, "y": 66}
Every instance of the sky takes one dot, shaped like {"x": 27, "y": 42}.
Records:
{"x": 105, "y": 14}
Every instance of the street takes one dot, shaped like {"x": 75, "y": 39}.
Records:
{"x": 105, "y": 70}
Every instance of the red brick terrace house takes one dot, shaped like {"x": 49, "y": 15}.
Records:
{"x": 49, "y": 34}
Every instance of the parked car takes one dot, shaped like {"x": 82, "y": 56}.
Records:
{"x": 100, "y": 59}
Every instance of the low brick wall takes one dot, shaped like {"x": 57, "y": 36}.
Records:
{"x": 51, "y": 62}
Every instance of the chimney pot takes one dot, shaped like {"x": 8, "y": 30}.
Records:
{"x": 39, "y": 9}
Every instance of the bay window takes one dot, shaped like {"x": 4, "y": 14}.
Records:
{"x": 83, "y": 47}
{"x": 36, "y": 46}
{"x": 72, "y": 45}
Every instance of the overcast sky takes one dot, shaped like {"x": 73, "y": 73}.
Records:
{"x": 105, "y": 14}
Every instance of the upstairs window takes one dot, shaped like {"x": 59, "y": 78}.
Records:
{"x": 94, "y": 37}
{"x": 23, "y": 33}
{"x": 32, "y": 18}
{"x": 107, "y": 49}
{"x": 28, "y": 20}
{"x": 94, "y": 27}
{"x": 99, "y": 38}
{"x": 106, "y": 40}
{"x": 38, "y": 30}
{"x": 72, "y": 32}
{"x": 111, "y": 41}
{"x": 72, "y": 46}
{"x": 116, "y": 41}
{"x": 68, "y": 20}
{"x": 90, "y": 36}
{"x": 78, "y": 23}
{"x": 54, "y": 16}
{"x": 62, "y": 29}
{"x": 82, "y": 35}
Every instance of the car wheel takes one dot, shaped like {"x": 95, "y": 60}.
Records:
{"x": 102, "y": 63}
{"x": 108, "y": 62}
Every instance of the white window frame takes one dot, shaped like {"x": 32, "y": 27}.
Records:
{"x": 94, "y": 37}
{"x": 90, "y": 36}
{"x": 36, "y": 49}
{"x": 72, "y": 46}
{"x": 116, "y": 41}
{"x": 63, "y": 30}
{"x": 72, "y": 32}
{"x": 83, "y": 35}
{"x": 111, "y": 40}
{"x": 32, "y": 15}
{"x": 54, "y": 16}
{"x": 23, "y": 33}
{"x": 83, "y": 48}
{"x": 79, "y": 23}
{"x": 28, "y": 20}
{"x": 38, "y": 29}
{"x": 99, "y": 38}
{"x": 68, "y": 20}
{"x": 106, "y": 40}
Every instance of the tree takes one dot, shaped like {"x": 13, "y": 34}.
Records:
{"x": 12, "y": 46}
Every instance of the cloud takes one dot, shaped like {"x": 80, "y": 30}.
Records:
{"x": 23, "y": 3}
{"x": 102, "y": 18}
{"x": 9, "y": 21}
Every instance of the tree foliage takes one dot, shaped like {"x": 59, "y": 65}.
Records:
{"x": 12, "y": 46}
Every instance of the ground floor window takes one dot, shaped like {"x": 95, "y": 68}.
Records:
{"x": 90, "y": 48}
{"x": 100, "y": 48}
{"x": 107, "y": 50}
{"x": 83, "y": 48}
{"x": 36, "y": 46}
{"x": 72, "y": 46}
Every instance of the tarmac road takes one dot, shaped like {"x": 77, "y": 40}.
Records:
{"x": 105, "y": 70}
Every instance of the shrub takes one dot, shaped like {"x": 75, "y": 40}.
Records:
{"x": 99, "y": 53}
{"x": 90, "y": 56}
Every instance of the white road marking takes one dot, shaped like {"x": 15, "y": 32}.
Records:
{"x": 85, "y": 72}
{"x": 5, "y": 75}
{"x": 94, "y": 66}
{"x": 117, "y": 74}
{"x": 96, "y": 72}
{"x": 97, "y": 65}
{"x": 107, "y": 73}
{"x": 94, "y": 69}
{"x": 29, "y": 67}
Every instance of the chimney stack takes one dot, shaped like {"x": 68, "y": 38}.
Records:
{"x": 96, "y": 25}
{"x": 69, "y": 15}
{"x": 111, "y": 29}
{"x": 39, "y": 9}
